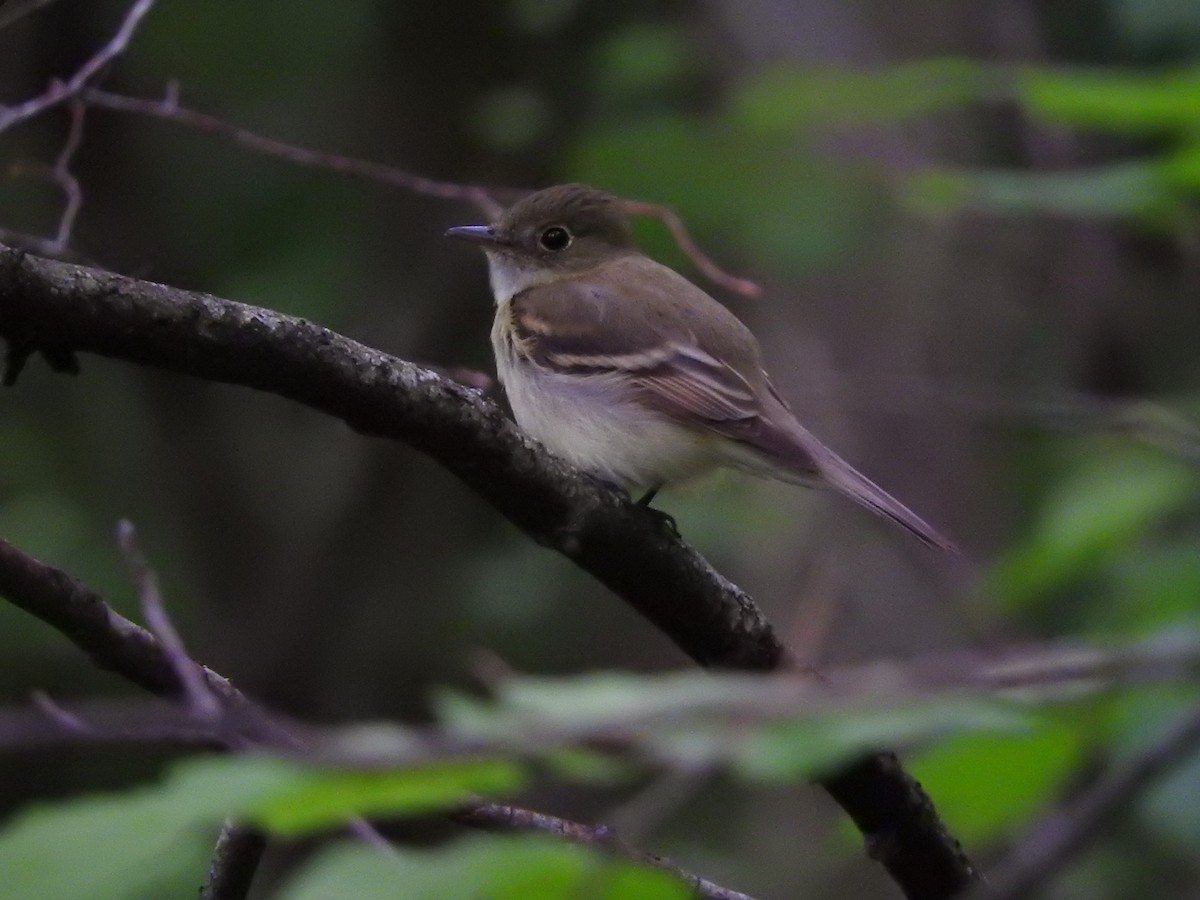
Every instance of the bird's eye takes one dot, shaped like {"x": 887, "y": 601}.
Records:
{"x": 555, "y": 238}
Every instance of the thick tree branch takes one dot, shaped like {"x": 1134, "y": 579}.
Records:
{"x": 59, "y": 309}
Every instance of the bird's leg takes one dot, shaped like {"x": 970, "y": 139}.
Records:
{"x": 648, "y": 497}
{"x": 664, "y": 519}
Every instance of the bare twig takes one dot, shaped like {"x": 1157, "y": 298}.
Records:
{"x": 486, "y": 199}
{"x": 43, "y": 246}
{"x": 60, "y": 91}
{"x": 54, "y": 597}
{"x": 234, "y": 861}
{"x": 692, "y": 250}
{"x": 1053, "y": 843}
{"x": 62, "y": 175}
{"x": 501, "y": 817}
{"x": 48, "y": 724}
{"x": 64, "y": 719}
{"x": 658, "y": 801}
{"x": 198, "y": 699}
{"x": 369, "y": 834}
{"x": 168, "y": 109}
{"x": 115, "y": 644}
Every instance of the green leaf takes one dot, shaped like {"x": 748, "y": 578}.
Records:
{"x": 788, "y": 98}
{"x": 294, "y": 798}
{"x": 803, "y": 749}
{"x": 1125, "y": 102}
{"x": 988, "y": 784}
{"x": 106, "y": 846}
{"x": 111, "y": 845}
{"x": 319, "y": 798}
{"x": 786, "y": 206}
{"x": 495, "y": 868}
{"x": 1122, "y": 190}
{"x": 641, "y": 59}
{"x": 1095, "y": 511}
{"x": 1155, "y": 588}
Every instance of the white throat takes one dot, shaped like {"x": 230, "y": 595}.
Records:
{"x": 508, "y": 277}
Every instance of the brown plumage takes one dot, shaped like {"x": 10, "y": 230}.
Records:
{"x": 629, "y": 370}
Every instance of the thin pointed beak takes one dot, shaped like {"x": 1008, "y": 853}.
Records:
{"x": 480, "y": 234}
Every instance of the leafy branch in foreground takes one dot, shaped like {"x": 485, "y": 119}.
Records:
{"x": 157, "y": 820}
{"x": 597, "y": 728}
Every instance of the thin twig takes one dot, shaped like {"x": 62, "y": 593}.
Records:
{"x": 234, "y": 861}
{"x": 198, "y": 699}
{"x": 501, "y": 817}
{"x": 168, "y": 109}
{"x": 54, "y": 597}
{"x": 370, "y": 835}
{"x": 683, "y": 238}
{"x": 60, "y": 91}
{"x": 1053, "y": 843}
{"x": 62, "y": 175}
{"x": 48, "y": 724}
{"x": 62, "y": 718}
{"x": 43, "y": 246}
{"x": 485, "y": 199}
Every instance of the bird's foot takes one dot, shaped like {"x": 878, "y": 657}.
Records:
{"x": 666, "y": 521}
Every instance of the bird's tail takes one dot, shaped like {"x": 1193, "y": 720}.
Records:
{"x": 785, "y": 449}
{"x": 848, "y": 481}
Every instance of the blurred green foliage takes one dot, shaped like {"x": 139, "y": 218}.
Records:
{"x": 263, "y": 521}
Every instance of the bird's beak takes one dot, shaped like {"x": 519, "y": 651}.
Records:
{"x": 480, "y": 234}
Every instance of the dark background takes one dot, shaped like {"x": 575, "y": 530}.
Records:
{"x": 966, "y": 354}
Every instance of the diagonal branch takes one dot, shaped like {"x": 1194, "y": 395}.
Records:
{"x": 1053, "y": 843}
{"x": 170, "y": 110}
{"x": 60, "y": 309}
{"x": 487, "y": 200}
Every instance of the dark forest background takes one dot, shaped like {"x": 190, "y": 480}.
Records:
{"x": 975, "y": 226}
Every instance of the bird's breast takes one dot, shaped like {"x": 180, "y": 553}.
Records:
{"x": 595, "y": 421}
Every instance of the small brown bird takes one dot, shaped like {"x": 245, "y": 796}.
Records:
{"x": 628, "y": 370}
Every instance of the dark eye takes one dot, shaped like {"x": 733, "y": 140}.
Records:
{"x": 555, "y": 238}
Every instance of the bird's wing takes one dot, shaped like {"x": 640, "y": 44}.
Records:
{"x": 654, "y": 337}
{"x": 676, "y": 351}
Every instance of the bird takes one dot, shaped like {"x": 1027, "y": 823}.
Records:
{"x": 624, "y": 368}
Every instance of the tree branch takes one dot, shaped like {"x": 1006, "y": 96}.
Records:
{"x": 60, "y": 91}
{"x": 116, "y": 643}
{"x": 234, "y": 861}
{"x": 170, "y": 110}
{"x": 59, "y": 309}
{"x": 1054, "y": 842}
{"x": 487, "y": 200}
